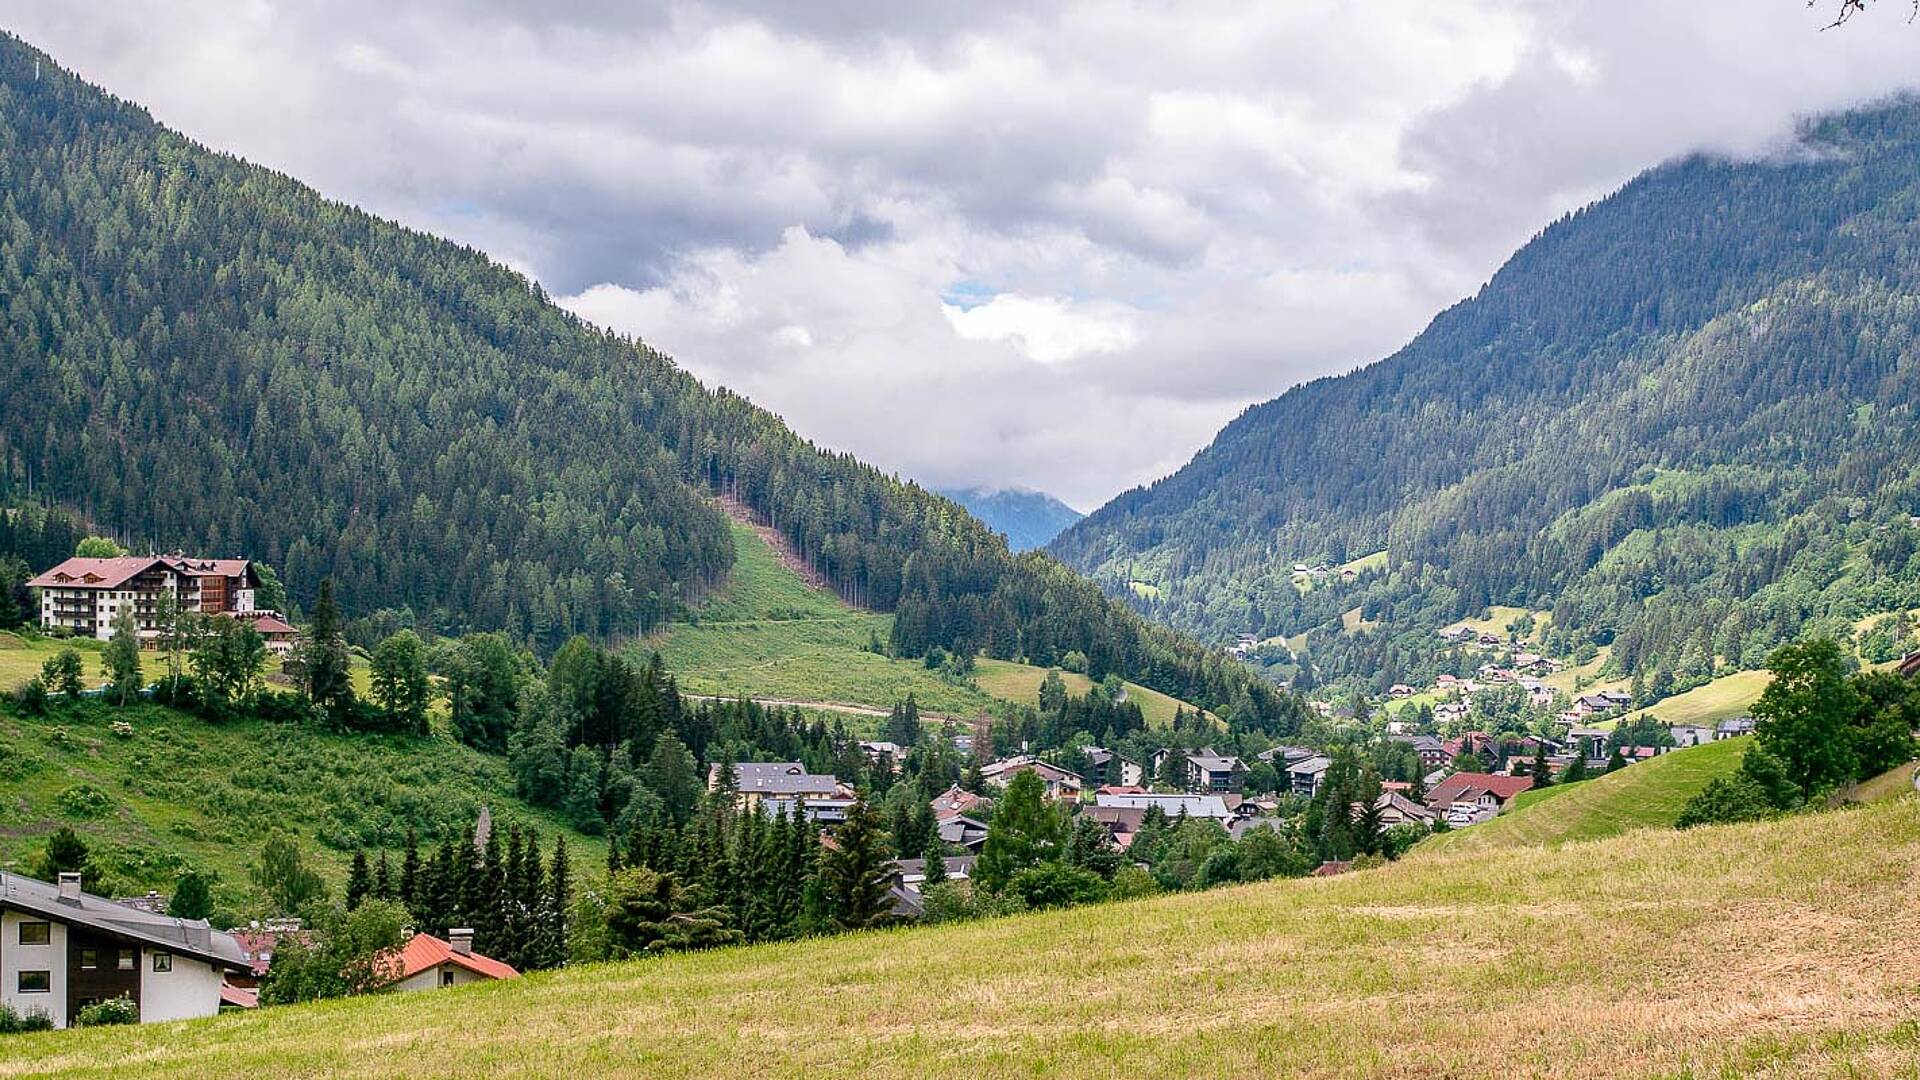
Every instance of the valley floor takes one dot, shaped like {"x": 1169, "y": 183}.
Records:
{"x": 1778, "y": 949}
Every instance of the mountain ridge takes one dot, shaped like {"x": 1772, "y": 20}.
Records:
{"x": 1640, "y": 424}
{"x": 1027, "y": 518}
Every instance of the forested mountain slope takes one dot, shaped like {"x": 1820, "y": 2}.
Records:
{"x": 203, "y": 353}
{"x": 1682, "y": 420}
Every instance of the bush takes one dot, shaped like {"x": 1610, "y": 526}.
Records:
{"x": 959, "y": 901}
{"x": 120, "y": 1010}
{"x": 12, "y": 1022}
{"x": 1053, "y": 884}
{"x": 84, "y": 801}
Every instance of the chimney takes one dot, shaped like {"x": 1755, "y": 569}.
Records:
{"x": 461, "y": 940}
{"x": 69, "y": 886}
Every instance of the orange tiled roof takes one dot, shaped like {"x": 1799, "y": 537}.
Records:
{"x": 424, "y": 951}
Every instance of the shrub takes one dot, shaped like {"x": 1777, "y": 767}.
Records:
{"x": 120, "y": 1010}
{"x": 84, "y": 801}
{"x": 12, "y": 1022}
{"x": 1053, "y": 884}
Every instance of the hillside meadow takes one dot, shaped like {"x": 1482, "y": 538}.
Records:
{"x": 177, "y": 792}
{"x": 1647, "y": 795}
{"x": 770, "y": 634}
{"x": 1781, "y": 949}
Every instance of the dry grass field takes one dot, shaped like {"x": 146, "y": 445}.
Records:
{"x": 1783, "y": 949}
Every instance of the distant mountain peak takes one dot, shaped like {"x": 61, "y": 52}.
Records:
{"x": 1027, "y": 518}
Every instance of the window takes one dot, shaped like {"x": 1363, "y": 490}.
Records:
{"x": 125, "y": 962}
{"x": 36, "y": 982}
{"x": 36, "y": 933}
{"x": 446, "y": 978}
{"x": 162, "y": 962}
{"x": 89, "y": 958}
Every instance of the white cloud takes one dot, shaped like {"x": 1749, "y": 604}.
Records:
{"x": 1047, "y": 329}
{"x": 1158, "y": 213}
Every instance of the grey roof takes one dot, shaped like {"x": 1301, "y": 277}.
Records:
{"x": 192, "y": 937}
{"x": 1420, "y": 742}
{"x": 780, "y": 778}
{"x": 957, "y": 866}
{"x": 1214, "y": 762}
{"x": 1312, "y": 765}
{"x": 1210, "y": 806}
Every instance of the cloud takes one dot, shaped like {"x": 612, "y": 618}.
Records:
{"x": 1052, "y": 245}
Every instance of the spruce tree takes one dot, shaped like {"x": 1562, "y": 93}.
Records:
{"x": 1540, "y": 772}
{"x": 383, "y": 886}
{"x": 853, "y": 873}
{"x": 559, "y": 906}
{"x": 359, "y": 880}
{"x": 410, "y": 874}
{"x": 324, "y": 661}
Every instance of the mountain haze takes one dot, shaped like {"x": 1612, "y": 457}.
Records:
{"x": 203, "y": 353}
{"x": 1680, "y": 422}
{"x": 1028, "y": 519}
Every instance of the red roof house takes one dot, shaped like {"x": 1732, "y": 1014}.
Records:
{"x": 1488, "y": 789}
{"x": 428, "y": 963}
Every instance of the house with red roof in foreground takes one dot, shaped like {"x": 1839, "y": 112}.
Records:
{"x": 426, "y": 962}
{"x": 1487, "y": 793}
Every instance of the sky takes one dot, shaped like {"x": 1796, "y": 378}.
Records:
{"x": 1052, "y": 246}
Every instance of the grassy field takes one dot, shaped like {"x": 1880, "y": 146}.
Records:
{"x": 1647, "y": 795}
{"x": 21, "y": 658}
{"x": 770, "y": 634}
{"x": 1774, "y": 950}
{"x": 1728, "y": 695}
{"x": 180, "y": 792}
{"x": 1020, "y": 683}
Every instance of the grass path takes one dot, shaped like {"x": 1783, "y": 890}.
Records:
{"x": 1781, "y": 949}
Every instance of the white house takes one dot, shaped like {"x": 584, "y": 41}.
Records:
{"x": 62, "y": 950}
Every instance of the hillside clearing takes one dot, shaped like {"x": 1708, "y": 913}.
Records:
{"x": 1020, "y": 683}
{"x": 1778, "y": 949}
{"x": 1728, "y": 695}
{"x": 1648, "y": 795}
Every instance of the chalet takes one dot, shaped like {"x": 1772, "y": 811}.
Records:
{"x": 1111, "y": 768}
{"x": 773, "y": 786}
{"x": 426, "y": 962}
{"x": 1457, "y": 634}
{"x": 1121, "y": 822}
{"x": 1282, "y": 756}
{"x": 962, "y": 831}
{"x": 1486, "y": 791}
{"x": 279, "y": 635}
{"x": 1909, "y": 665}
{"x": 1685, "y": 735}
{"x": 1399, "y": 690}
{"x": 1211, "y": 772}
{"x": 83, "y": 596}
{"x": 258, "y": 942}
{"x": 1431, "y": 751}
{"x": 881, "y": 752}
{"x": 1601, "y": 703}
{"x": 1590, "y": 742}
{"x": 1304, "y": 776}
{"x": 1193, "y": 806}
{"x": 1734, "y": 728}
{"x": 62, "y": 949}
{"x": 1397, "y": 809}
{"x": 908, "y": 877}
{"x": 954, "y": 802}
{"x": 1060, "y": 783}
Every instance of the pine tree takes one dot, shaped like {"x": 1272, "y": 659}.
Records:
{"x": 383, "y": 886}
{"x": 853, "y": 873}
{"x": 323, "y": 658}
{"x": 359, "y": 880}
{"x": 192, "y": 898}
{"x": 530, "y": 905}
{"x": 559, "y": 906}
{"x": 410, "y": 896}
{"x": 1540, "y": 772}
{"x": 1616, "y": 761}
